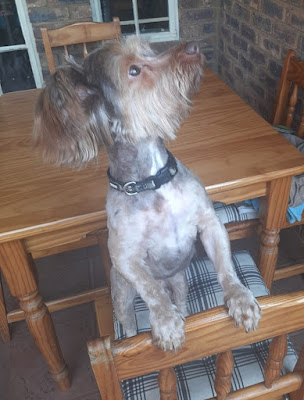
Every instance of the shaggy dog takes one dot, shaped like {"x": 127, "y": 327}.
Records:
{"x": 129, "y": 99}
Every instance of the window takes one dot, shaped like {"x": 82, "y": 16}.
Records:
{"x": 155, "y": 20}
{"x": 19, "y": 63}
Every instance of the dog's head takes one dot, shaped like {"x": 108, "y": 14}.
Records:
{"x": 123, "y": 91}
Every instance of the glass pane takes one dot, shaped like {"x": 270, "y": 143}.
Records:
{"x": 154, "y": 27}
{"x": 10, "y": 29}
{"x": 147, "y": 9}
{"x": 15, "y": 71}
{"x": 152, "y": 9}
{"x": 122, "y": 9}
{"x": 128, "y": 29}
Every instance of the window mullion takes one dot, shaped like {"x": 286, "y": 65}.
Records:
{"x": 135, "y": 13}
{"x": 30, "y": 41}
{"x": 173, "y": 16}
{"x": 6, "y": 49}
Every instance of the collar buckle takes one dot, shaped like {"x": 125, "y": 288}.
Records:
{"x": 129, "y": 188}
{"x": 164, "y": 175}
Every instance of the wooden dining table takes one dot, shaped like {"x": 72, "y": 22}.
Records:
{"x": 44, "y": 208}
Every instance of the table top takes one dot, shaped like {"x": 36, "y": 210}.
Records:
{"x": 223, "y": 141}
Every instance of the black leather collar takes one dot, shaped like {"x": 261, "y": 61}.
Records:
{"x": 164, "y": 175}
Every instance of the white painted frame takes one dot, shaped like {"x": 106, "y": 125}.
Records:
{"x": 172, "y": 34}
{"x": 30, "y": 44}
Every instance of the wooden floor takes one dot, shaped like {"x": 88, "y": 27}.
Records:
{"x": 23, "y": 374}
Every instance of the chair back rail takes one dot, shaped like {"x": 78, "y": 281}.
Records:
{"x": 81, "y": 32}
{"x": 209, "y": 332}
{"x": 292, "y": 78}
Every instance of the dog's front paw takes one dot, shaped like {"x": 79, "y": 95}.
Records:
{"x": 168, "y": 331}
{"x": 243, "y": 308}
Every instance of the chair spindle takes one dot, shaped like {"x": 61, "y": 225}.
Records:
{"x": 85, "y": 50}
{"x": 291, "y": 107}
{"x": 277, "y": 352}
{"x": 167, "y": 384}
{"x": 301, "y": 127}
{"x": 224, "y": 369}
{"x": 66, "y": 53}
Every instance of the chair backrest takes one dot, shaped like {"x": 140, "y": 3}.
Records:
{"x": 292, "y": 79}
{"x": 207, "y": 333}
{"x": 82, "y": 32}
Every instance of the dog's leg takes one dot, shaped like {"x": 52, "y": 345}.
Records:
{"x": 178, "y": 286}
{"x": 123, "y": 295}
{"x": 241, "y": 304}
{"x": 167, "y": 323}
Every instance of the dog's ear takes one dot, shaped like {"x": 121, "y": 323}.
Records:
{"x": 70, "y": 123}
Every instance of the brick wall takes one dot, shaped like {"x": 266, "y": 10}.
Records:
{"x": 254, "y": 36}
{"x": 54, "y": 14}
{"x": 198, "y": 21}
{"x": 244, "y": 41}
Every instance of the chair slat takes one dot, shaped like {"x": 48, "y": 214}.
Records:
{"x": 292, "y": 105}
{"x": 66, "y": 53}
{"x": 85, "y": 50}
{"x": 224, "y": 369}
{"x": 81, "y": 32}
{"x": 301, "y": 127}
{"x": 277, "y": 352}
{"x": 167, "y": 384}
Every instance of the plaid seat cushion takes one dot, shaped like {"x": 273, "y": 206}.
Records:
{"x": 195, "y": 379}
{"x": 235, "y": 212}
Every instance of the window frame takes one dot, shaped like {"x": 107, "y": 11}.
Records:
{"x": 171, "y": 35}
{"x": 29, "y": 45}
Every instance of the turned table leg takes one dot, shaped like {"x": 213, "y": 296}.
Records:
{"x": 19, "y": 275}
{"x": 273, "y": 215}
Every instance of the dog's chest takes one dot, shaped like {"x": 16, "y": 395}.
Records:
{"x": 163, "y": 221}
{"x": 169, "y": 233}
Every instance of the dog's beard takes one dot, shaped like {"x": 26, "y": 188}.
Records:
{"x": 159, "y": 111}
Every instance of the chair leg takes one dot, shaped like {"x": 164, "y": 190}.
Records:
{"x": 102, "y": 238}
{"x": 103, "y": 307}
{"x": 104, "y": 369}
{"x": 273, "y": 217}
{"x": 20, "y": 278}
{"x": 4, "y": 329}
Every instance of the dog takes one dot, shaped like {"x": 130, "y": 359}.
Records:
{"x": 131, "y": 100}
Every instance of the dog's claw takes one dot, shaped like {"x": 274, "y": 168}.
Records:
{"x": 168, "y": 329}
{"x": 243, "y": 308}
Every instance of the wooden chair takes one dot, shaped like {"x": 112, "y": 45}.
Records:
{"x": 125, "y": 368}
{"x": 81, "y": 32}
{"x": 208, "y": 333}
{"x": 292, "y": 79}
{"x": 84, "y": 32}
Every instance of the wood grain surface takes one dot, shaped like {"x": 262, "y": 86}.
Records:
{"x": 223, "y": 141}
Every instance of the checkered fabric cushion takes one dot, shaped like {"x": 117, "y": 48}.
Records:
{"x": 195, "y": 379}
{"x": 235, "y": 212}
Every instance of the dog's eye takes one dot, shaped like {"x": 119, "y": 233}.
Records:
{"x": 134, "y": 70}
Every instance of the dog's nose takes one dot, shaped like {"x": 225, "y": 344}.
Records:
{"x": 192, "y": 48}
